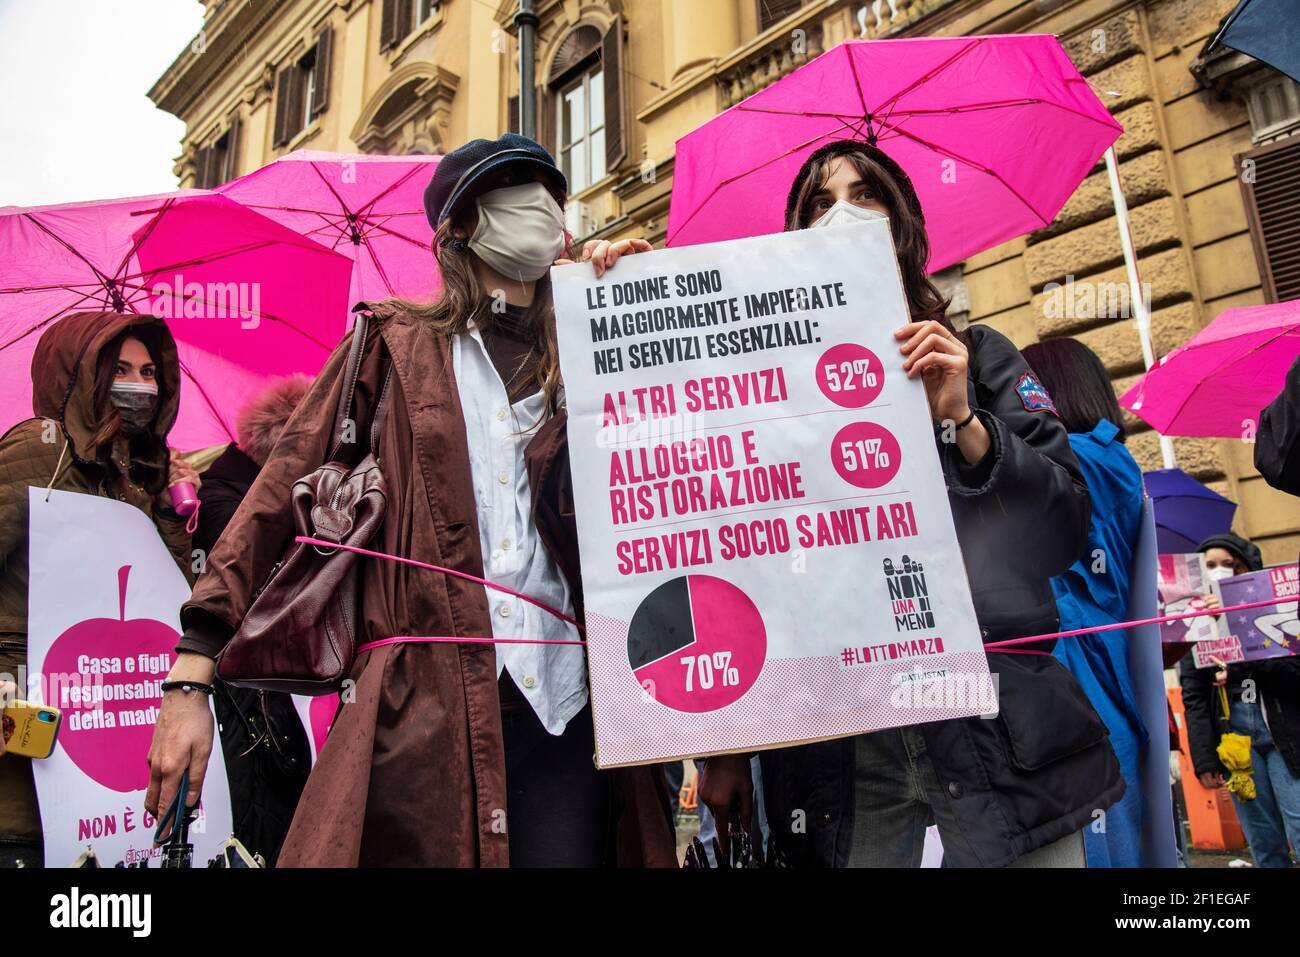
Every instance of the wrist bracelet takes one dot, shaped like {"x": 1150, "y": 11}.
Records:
{"x": 966, "y": 421}
{"x": 186, "y": 686}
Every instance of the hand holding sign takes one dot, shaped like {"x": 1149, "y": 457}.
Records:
{"x": 941, "y": 360}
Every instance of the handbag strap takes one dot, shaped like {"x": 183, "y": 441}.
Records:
{"x": 360, "y": 329}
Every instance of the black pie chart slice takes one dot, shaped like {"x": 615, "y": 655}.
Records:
{"x": 661, "y": 625}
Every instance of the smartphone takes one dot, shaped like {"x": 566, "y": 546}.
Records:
{"x": 30, "y": 729}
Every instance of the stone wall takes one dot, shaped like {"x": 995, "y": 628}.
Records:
{"x": 1188, "y": 225}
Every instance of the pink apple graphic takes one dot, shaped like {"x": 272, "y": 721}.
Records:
{"x": 103, "y": 673}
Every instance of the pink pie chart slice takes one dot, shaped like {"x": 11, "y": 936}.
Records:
{"x": 697, "y": 643}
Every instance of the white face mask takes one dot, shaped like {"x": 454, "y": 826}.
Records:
{"x": 844, "y": 213}
{"x": 1220, "y": 572}
{"x": 520, "y": 231}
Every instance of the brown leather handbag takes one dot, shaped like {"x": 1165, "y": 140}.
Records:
{"x": 300, "y": 632}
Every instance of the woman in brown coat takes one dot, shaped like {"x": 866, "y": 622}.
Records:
{"x": 105, "y": 389}
{"x": 451, "y": 754}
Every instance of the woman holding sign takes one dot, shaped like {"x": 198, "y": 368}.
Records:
{"x": 106, "y": 393}
{"x": 1017, "y": 789}
{"x": 1263, "y": 703}
{"x": 446, "y": 753}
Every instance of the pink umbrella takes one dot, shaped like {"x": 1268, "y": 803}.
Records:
{"x": 368, "y": 208}
{"x": 994, "y": 131}
{"x": 246, "y": 299}
{"x": 1218, "y": 382}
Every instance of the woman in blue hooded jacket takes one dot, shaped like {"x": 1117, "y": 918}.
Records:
{"x": 1095, "y": 590}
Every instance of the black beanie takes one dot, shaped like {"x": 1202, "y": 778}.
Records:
{"x": 1247, "y": 551}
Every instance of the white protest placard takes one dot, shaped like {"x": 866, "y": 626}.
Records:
{"x": 768, "y": 552}
{"x": 103, "y": 606}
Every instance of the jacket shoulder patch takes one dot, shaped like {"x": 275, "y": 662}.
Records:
{"x": 1033, "y": 396}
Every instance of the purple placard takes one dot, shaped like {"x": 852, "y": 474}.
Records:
{"x": 1271, "y": 631}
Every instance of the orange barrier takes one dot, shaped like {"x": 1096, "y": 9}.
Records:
{"x": 1210, "y": 814}
{"x": 690, "y": 796}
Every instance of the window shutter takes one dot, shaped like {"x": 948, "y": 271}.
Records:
{"x": 324, "y": 53}
{"x": 388, "y": 24}
{"x": 1270, "y": 211}
{"x": 201, "y": 156}
{"x": 282, "y": 87}
{"x": 405, "y": 21}
{"x": 231, "y": 166}
{"x": 546, "y": 121}
{"x": 773, "y": 11}
{"x": 297, "y": 90}
{"x": 611, "y": 55}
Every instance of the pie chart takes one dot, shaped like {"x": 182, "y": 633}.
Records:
{"x": 696, "y": 643}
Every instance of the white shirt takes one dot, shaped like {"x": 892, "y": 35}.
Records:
{"x": 552, "y": 677}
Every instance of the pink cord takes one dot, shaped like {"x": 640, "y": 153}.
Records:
{"x": 1137, "y": 624}
{"x": 1000, "y": 646}
{"x": 453, "y": 640}
{"x": 446, "y": 571}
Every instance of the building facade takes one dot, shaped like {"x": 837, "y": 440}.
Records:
{"x": 1209, "y": 160}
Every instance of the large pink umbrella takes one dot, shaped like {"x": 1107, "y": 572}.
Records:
{"x": 1218, "y": 382}
{"x": 368, "y": 208}
{"x": 246, "y": 299}
{"x": 994, "y": 131}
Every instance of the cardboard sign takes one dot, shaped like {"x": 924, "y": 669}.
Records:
{"x": 1184, "y": 584}
{"x": 104, "y": 599}
{"x": 1267, "y": 632}
{"x": 768, "y": 552}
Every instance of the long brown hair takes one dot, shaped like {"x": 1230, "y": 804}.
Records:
{"x": 462, "y": 299}
{"x": 109, "y": 426}
{"x": 911, "y": 242}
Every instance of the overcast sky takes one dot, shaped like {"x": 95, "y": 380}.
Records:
{"x": 75, "y": 122}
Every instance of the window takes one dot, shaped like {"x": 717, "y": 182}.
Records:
{"x": 580, "y": 129}
{"x": 307, "y": 70}
{"x": 580, "y": 117}
{"x": 218, "y": 163}
{"x": 302, "y": 89}
{"x": 401, "y": 17}
{"x": 1274, "y": 108}
{"x": 774, "y": 11}
{"x": 1270, "y": 181}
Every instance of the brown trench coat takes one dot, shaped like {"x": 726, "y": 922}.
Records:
{"x": 413, "y": 771}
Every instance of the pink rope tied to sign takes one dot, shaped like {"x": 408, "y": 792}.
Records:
{"x": 1001, "y": 647}
{"x": 1202, "y": 613}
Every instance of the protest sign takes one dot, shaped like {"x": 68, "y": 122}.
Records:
{"x": 1184, "y": 584}
{"x": 317, "y": 716}
{"x": 104, "y": 598}
{"x": 1268, "y": 632}
{"x": 1217, "y": 652}
{"x": 768, "y": 552}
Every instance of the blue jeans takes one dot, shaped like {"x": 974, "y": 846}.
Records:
{"x": 897, "y": 794}
{"x": 1274, "y": 816}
